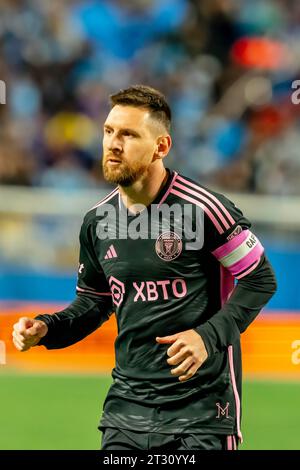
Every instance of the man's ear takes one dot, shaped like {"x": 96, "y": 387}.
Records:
{"x": 163, "y": 146}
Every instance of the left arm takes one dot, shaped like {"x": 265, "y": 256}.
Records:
{"x": 191, "y": 348}
{"x": 248, "y": 298}
{"x": 241, "y": 253}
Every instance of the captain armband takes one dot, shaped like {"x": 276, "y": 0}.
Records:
{"x": 241, "y": 254}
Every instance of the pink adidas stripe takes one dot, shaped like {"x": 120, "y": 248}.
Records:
{"x": 198, "y": 203}
{"x": 202, "y": 190}
{"x": 235, "y": 391}
{"x": 204, "y": 199}
{"x": 113, "y": 251}
{"x": 228, "y": 247}
{"x": 106, "y": 198}
{"x": 246, "y": 262}
{"x": 79, "y": 289}
{"x": 248, "y": 270}
{"x": 169, "y": 189}
{"x": 226, "y": 284}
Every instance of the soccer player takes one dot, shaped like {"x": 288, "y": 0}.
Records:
{"x": 177, "y": 379}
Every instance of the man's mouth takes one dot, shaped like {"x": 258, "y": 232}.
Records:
{"x": 113, "y": 161}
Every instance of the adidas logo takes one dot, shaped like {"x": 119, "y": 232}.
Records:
{"x": 111, "y": 253}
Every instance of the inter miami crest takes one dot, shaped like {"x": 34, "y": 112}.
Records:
{"x": 168, "y": 246}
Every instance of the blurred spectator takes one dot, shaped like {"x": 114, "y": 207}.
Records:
{"x": 16, "y": 165}
{"x": 66, "y": 174}
{"x": 226, "y": 67}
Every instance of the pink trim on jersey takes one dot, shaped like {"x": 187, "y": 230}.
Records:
{"x": 204, "y": 199}
{"x": 202, "y": 190}
{"x": 92, "y": 292}
{"x": 113, "y": 251}
{"x": 108, "y": 255}
{"x": 105, "y": 199}
{"x": 226, "y": 284}
{"x": 228, "y": 247}
{"x": 235, "y": 391}
{"x": 229, "y": 442}
{"x": 198, "y": 203}
{"x": 249, "y": 259}
{"x": 169, "y": 189}
{"x": 248, "y": 270}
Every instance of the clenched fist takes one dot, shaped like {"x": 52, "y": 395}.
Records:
{"x": 28, "y": 332}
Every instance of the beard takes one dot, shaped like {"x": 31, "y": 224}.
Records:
{"x": 123, "y": 174}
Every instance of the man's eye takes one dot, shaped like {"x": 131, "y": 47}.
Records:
{"x": 129, "y": 134}
{"x": 107, "y": 131}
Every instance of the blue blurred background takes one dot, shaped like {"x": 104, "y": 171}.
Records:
{"x": 227, "y": 67}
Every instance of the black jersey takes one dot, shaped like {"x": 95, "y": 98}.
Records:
{"x": 179, "y": 279}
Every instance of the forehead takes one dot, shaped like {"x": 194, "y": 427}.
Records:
{"x": 128, "y": 117}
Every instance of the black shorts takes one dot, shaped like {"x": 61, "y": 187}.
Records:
{"x": 123, "y": 439}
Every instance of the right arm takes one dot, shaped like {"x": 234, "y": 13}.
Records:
{"x": 75, "y": 322}
{"x": 91, "y": 308}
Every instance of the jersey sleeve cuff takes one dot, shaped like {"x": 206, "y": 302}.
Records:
{"x": 49, "y": 322}
{"x": 208, "y": 336}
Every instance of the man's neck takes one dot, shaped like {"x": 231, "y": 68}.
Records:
{"x": 145, "y": 190}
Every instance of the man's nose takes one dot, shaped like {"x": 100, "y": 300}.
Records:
{"x": 115, "y": 145}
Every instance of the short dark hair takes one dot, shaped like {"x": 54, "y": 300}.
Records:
{"x": 142, "y": 96}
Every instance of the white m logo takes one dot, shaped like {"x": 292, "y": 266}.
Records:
{"x": 222, "y": 411}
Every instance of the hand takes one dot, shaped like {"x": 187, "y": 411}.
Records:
{"x": 28, "y": 332}
{"x": 187, "y": 352}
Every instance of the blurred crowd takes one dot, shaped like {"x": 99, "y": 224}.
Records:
{"x": 226, "y": 67}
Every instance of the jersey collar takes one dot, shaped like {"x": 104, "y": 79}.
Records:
{"x": 163, "y": 193}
